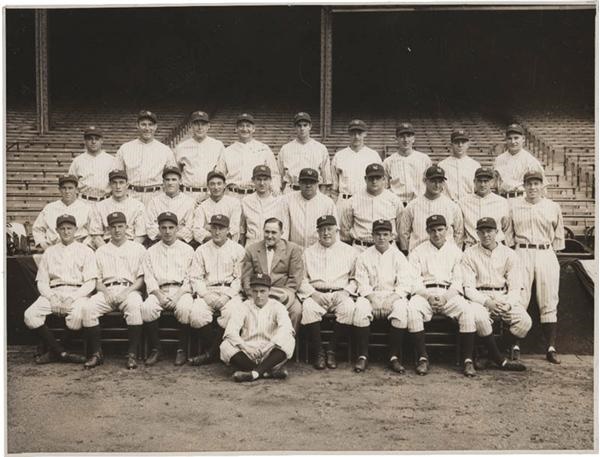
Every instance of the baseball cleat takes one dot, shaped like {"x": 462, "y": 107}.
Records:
{"x": 131, "y": 362}
{"x": 331, "y": 362}
{"x": 243, "y": 376}
{"x": 46, "y": 357}
{"x": 396, "y": 366}
{"x": 469, "y": 369}
{"x": 422, "y": 366}
{"x": 153, "y": 358}
{"x": 515, "y": 353}
{"x": 180, "y": 358}
{"x": 360, "y": 365}
{"x": 95, "y": 360}
{"x": 69, "y": 357}
{"x": 200, "y": 359}
{"x": 276, "y": 374}
{"x": 552, "y": 357}
{"x": 320, "y": 362}
{"x": 509, "y": 365}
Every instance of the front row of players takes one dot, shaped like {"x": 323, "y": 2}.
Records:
{"x": 284, "y": 288}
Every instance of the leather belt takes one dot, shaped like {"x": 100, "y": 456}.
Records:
{"x": 63, "y": 284}
{"x": 194, "y": 189}
{"x": 441, "y": 286}
{"x": 534, "y": 246}
{"x": 345, "y": 196}
{"x": 117, "y": 283}
{"x": 94, "y": 199}
{"x": 516, "y": 193}
{"x": 363, "y": 243}
{"x": 171, "y": 284}
{"x": 238, "y": 190}
{"x": 492, "y": 288}
{"x": 331, "y": 289}
{"x": 218, "y": 284}
{"x": 145, "y": 188}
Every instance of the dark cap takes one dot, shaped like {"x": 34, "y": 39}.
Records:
{"x": 199, "y": 116}
{"x": 459, "y": 134}
{"x": 308, "y": 174}
{"x": 145, "y": 114}
{"x": 219, "y": 219}
{"x": 405, "y": 127}
{"x": 114, "y": 174}
{"x": 533, "y": 174}
{"x": 484, "y": 172}
{"x": 357, "y": 124}
{"x": 327, "y": 219}
{"x": 93, "y": 130}
{"x": 261, "y": 170}
{"x": 65, "y": 219}
{"x": 382, "y": 224}
{"x": 515, "y": 128}
{"x": 302, "y": 116}
{"x": 214, "y": 174}
{"x": 167, "y": 216}
{"x": 245, "y": 117}
{"x": 435, "y": 220}
{"x": 486, "y": 222}
{"x": 115, "y": 217}
{"x": 435, "y": 172}
{"x": 67, "y": 178}
{"x": 260, "y": 279}
{"x": 374, "y": 169}
{"x": 171, "y": 170}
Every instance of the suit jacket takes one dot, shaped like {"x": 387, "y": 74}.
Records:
{"x": 287, "y": 267}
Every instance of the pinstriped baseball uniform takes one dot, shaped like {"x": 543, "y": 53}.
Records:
{"x": 132, "y": 209}
{"x": 348, "y": 169}
{"x": 379, "y": 275}
{"x": 196, "y": 159}
{"x": 299, "y": 216}
{"x": 413, "y": 230}
{"x": 328, "y": 268}
{"x": 239, "y": 159}
{"x": 356, "y": 220}
{"x": 294, "y": 156}
{"x": 255, "y": 211}
{"x": 181, "y": 204}
{"x": 44, "y": 227}
{"x": 117, "y": 264}
{"x": 459, "y": 176}
{"x": 263, "y": 328}
{"x": 512, "y": 168}
{"x": 541, "y": 224}
{"x": 227, "y": 206}
{"x": 474, "y": 207}
{"x": 495, "y": 269}
{"x": 92, "y": 172}
{"x": 405, "y": 174}
{"x": 216, "y": 270}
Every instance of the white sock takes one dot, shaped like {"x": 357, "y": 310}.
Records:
{"x": 254, "y": 374}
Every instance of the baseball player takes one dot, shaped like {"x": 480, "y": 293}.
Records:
{"x": 119, "y": 283}
{"x": 258, "y": 207}
{"x": 492, "y": 281}
{"x": 372, "y": 203}
{"x": 385, "y": 281}
{"x": 144, "y": 159}
{"x": 65, "y": 279}
{"x": 513, "y": 163}
{"x": 217, "y": 203}
{"x": 405, "y": 169}
{"x": 171, "y": 199}
{"x": 44, "y": 233}
{"x": 328, "y": 286}
{"x": 119, "y": 201}
{"x": 300, "y": 209}
{"x": 413, "y": 230}
{"x": 459, "y": 167}
{"x": 537, "y": 231}
{"x": 483, "y": 203}
{"x": 348, "y": 164}
{"x": 166, "y": 268}
{"x": 197, "y": 156}
{"x": 216, "y": 278}
{"x": 92, "y": 167}
{"x": 303, "y": 152}
{"x": 240, "y": 158}
{"x": 259, "y": 338}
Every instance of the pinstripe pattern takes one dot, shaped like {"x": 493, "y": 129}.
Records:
{"x": 212, "y": 265}
{"x": 44, "y": 227}
{"x": 474, "y": 207}
{"x": 93, "y": 173}
{"x": 299, "y": 216}
{"x": 383, "y": 272}
{"x": 120, "y": 262}
{"x": 67, "y": 264}
{"x": 348, "y": 169}
{"x": 134, "y": 213}
{"x": 512, "y": 168}
{"x": 437, "y": 266}
{"x": 255, "y": 211}
{"x": 405, "y": 174}
{"x": 294, "y": 156}
{"x": 459, "y": 176}
{"x": 196, "y": 159}
{"x": 163, "y": 264}
{"x": 182, "y": 205}
{"x": 144, "y": 162}
{"x": 227, "y": 206}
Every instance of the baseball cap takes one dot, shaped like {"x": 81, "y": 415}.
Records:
{"x": 435, "y": 220}
{"x": 114, "y": 174}
{"x": 357, "y": 124}
{"x": 382, "y": 224}
{"x": 483, "y": 172}
{"x": 308, "y": 174}
{"x": 405, "y": 127}
{"x": 145, "y": 114}
{"x": 435, "y": 172}
{"x": 199, "y": 116}
{"x": 115, "y": 217}
{"x": 302, "y": 116}
{"x": 245, "y": 117}
{"x": 533, "y": 174}
{"x": 261, "y": 170}
{"x": 167, "y": 216}
{"x": 219, "y": 219}
{"x": 486, "y": 222}
{"x": 514, "y": 128}
{"x": 260, "y": 279}
{"x": 459, "y": 134}
{"x": 169, "y": 170}
{"x": 374, "y": 169}
{"x": 67, "y": 178}
{"x": 214, "y": 174}
{"x": 93, "y": 130}
{"x": 65, "y": 219}
{"x": 327, "y": 219}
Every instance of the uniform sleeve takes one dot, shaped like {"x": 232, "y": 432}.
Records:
{"x": 149, "y": 276}
{"x": 470, "y": 280}
{"x": 234, "y": 327}
{"x": 281, "y": 167}
{"x": 199, "y": 225}
{"x": 119, "y": 162}
{"x": 139, "y": 222}
{"x": 296, "y": 272}
{"x": 509, "y": 233}
{"x": 405, "y": 227}
{"x": 43, "y": 274}
{"x": 189, "y": 253}
{"x": 73, "y": 168}
{"x": 335, "y": 180}
{"x": 306, "y": 289}
{"x": 222, "y": 163}
{"x": 352, "y": 286}
{"x": 398, "y": 219}
{"x": 325, "y": 168}
{"x": 404, "y": 277}
{"x": 346, "y": 221}
{"x": 458, "y": 226}
{"x": 235, "y": 219}
{"x": 275, "y": 175}
{"x": 151, "y": 220}
{"x": 247, "y": 270}
{"x": 415, "y": 263}
{"x": 96, "y": 225}
{"x": 99, "y": 266}
{"x": 243, "y": 223}
{"x": 170, "y": 157}
{"x": 558, "y": 243}
{"x": 362, "y": 277}
{"x": 236, "y": 284}
{"x": 284, "y": 214}
{"x": 198, "y": 274}
{"x": 284, "y": 330}
{"x": 39, "y": 228}
{"x": 90, "y": 268}
{"x": 514, "y": 278}
{"x": 186, "y": 224}
{"x": 456, "y": 277}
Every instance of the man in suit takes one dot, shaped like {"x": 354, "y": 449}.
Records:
{"x": 282, "y": 261}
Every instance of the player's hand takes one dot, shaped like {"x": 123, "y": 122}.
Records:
{"x": 211, "y": 297}
{"x": 320, "y": 298}
{"x": 120, "y": 297}
{"x": 54, "y": 301}
{"x": 108, "y": 297}
{"x": 252, "y": 352}
{"x": 221, "y": 300}
{"x": 67, "y": 301}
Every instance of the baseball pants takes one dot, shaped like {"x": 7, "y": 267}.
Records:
{"x": 381, "y": 305}
{"x": 284, "y": 342}
{"x": 205, "y": 309}
{"x": 457, "y": 308}
{"x": 288, "y": 298}
{"x": 340, "y": 304}
{"x": 518, "y": 320}
{"x": 35, "y": 315}
{"x": 131, "y": 307}
{"x": 151, "y": 308}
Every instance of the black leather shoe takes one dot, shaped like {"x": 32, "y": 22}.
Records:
{"x": 481, "y": 363}
{"x": 200, "y": 359}
{"x": 319, "y": 362}
{"x": 180, "y": 358}
{"x": 360, "y": 365}
{"x": 396, "y": 366}
{"x": 95, "y": 360}
{"x": 422, "y": 366}
{"x": 282, "y": 373}
{"x": 46, "y": 357}
{"x": 131, "y": 362}
{"x": 515, "y": 353}
{"x": 331, "y": 361}
{"x": 243, "y": 376}
{"x": 509, "y": 365}
{"x": 469, "y": 369}
{"x": 153, "y": 358}
{"x": 552, "y": 357}
{"x": 69, "y": 357}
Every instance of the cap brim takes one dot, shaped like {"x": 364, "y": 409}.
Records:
{"x": 486, "y": 226}
{"x": 219, "y": 224}
{"x": 381, "y": 175}
{"x": 436, "y": 176}
{"x": 262, "y": 175}
{"x": 400, "y": 132}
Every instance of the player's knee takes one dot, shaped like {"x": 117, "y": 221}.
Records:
{"x": 33, "y": 319}
{"x": 363, "y": 313}
{"x": 150, "y": 312}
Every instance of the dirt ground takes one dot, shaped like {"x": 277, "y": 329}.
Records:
{"x": 62, "y": 408}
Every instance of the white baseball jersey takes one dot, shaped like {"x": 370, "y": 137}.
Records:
{"x": 117, "y": 263}
{"x": 181, "y": 205}
{"x": 474, "y": 207}
{"x": 255, "y": 211}
{"x": 44, "y": 227}
{"x": 512, "y": 168}
{"x": 299, "y": 216}
{"x": 144, "y": 162}
{"x": 356, "y": 220}
{"x": 413, "y": 230}
{"x": 239, "y": 159}
{"x": 196, "y": 159}
{"x": 92, "y": 172}
{"x": 540, "y": 223}
{"x": 132, "y": 209}
{"x": 460, "y": 174}
{"x": 405, "y": 174}
{"x": 217, "y": 266}
{"x": 348, "y": 169}
{"x": 294, "y": 156}
{"x": 437, "y": 266}
{"x": 163, "y": 264}
{"x": 383, "y": 272}
{"x": 227, "y": 206}
{"x": 72, "y": 264}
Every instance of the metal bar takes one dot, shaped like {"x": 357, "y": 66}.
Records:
{"x": 41, "y": 70}
{"x": 326, "y": 70}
